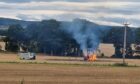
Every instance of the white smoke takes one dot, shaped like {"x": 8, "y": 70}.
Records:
{"x": 87, "y": 34}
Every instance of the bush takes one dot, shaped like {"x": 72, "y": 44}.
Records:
{"x": 22, "y": 81}
{"x": 102, "y": 55}
{"x": 121, "y": 64}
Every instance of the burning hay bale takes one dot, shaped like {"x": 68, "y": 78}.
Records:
{"x": 90, "y": 55}
{"x": 91, "y": 58}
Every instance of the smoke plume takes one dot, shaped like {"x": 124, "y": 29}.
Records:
{"x": 86, "y": 33}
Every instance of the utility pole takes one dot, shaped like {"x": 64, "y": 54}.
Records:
{"x": 124, "y": 43}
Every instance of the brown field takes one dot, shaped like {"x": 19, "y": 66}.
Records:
{"x": 66, "y": 71}
{"x": 12, "y": 57}
{"x": 61, "y": 74}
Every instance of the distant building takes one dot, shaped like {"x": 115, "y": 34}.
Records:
{"x": 2, "y": 43}
{"x": 107, "y": 49}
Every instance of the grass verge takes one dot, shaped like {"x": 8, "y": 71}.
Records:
{"x": 72, "y": 64}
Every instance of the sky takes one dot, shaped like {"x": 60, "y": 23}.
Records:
{"x": 106, "y": 12}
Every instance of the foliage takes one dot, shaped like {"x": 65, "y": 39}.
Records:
{"x": 49, "y": 38}
{"x": 15, "y": 37}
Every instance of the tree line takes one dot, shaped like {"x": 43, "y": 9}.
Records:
{"x": 43, "y": 37}
{"x": 48, "y": 37}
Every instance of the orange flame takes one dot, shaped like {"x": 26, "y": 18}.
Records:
{"x": 92, "y": 57}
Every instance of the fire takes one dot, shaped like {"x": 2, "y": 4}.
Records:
{"x": 91, "y": 57}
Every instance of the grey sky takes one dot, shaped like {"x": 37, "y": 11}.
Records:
{"x": 108, "y": 12}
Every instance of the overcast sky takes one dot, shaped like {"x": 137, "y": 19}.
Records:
{"x": 108, "y": 12}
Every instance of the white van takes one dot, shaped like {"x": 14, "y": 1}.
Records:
{"x": 27, "y": 56}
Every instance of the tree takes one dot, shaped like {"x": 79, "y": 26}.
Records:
{"x": 15, "y": 37}
{"x": 49, "y": 38}
{"x": 116, "y": 36}
{"x": 137, "y": 35}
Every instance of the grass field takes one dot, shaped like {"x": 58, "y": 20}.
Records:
{"x": 65, "y": 74}
{"x": 66, "y": 70}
